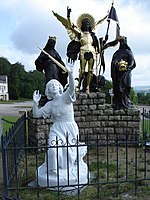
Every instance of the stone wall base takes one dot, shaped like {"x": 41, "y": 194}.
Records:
{"x": 96, "y": 121}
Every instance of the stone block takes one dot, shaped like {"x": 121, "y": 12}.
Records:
{"x": 133, "y": 124}
{"x": 80, "y": 119}
{"x": 101, "y": 107}
{"x": 82, "y": 96}
{"x": 91, "y": 118}
{"x": 83, "y": 124}
{"x": 122, "y": 124}
{"x": 101, "y": 95}
{"x": 86, "y": 112}
{"x": 108, "y": 112}
{"x": 92, "y": 107}
{"x": 87, "y": 101}
{"x": 103, "y": 118}
{"x": 97, "y": 112}
{"x": 114, "y": 118}
{"x": 83, "y": 107}
{"x": 95, "y": 124}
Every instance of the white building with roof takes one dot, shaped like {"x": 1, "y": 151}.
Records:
{"x": 4, "y": 88}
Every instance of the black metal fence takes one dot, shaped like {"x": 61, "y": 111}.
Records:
{"x": 146, "y": 124}
{"x": 12, "y": 143}
{"x": 115, "y": 167}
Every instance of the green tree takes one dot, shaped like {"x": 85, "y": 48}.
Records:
{"x": 108, "y": 86}
{"x": 143, "y": 99}
{"x": 38, "y": 80}
{"x": 105, "y": 89}
{"x": 133, "y": 96}
{"x": 4, "y": 66}
{"x": 15, "y": 79}
{"x": 21, "y": 84}
{"x": 32, "y": 80}
{"x": 14, "y": 93}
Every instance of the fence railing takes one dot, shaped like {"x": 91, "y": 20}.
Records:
{"x": 146, "y": 124}
{"x": 115, "y": 167}
{"x": 12, "y": 143}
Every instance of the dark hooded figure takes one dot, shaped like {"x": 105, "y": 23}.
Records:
{"x": 122, "y": 64}
{"x": 51, "y": 69}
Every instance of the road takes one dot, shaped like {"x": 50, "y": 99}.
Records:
{"x": 13, "y": 109}
{"x": 147, "y": 108}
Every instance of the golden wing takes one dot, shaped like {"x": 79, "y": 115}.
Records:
{"x": 63, "y": 20}
{"x": 67, "y": 24}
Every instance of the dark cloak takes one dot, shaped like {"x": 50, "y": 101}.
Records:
{"x": 122, "y": 79}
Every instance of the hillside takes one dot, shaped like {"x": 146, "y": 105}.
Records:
{"x": 142, "y": 89}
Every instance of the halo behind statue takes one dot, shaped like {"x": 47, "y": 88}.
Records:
{"x": 86, "y": 16}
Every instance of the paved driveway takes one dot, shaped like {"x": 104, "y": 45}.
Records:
{"x": 14, "y": 108}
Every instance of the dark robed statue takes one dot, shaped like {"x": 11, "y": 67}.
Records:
{"x": 51, "y": 69}
{"x": 121, "y": 66}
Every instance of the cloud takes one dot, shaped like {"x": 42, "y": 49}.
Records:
{"x": 136, "y": 3}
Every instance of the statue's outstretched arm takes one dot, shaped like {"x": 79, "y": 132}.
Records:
{"x": 68, "y": 17}
{"x": 70, "y": 67}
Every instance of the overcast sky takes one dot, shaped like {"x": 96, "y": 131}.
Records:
{"x": 27, "y": 24}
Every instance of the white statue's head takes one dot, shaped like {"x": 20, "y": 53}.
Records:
{"x": 53, "y": 87}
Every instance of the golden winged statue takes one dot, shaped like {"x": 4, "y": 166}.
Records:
{"x": 83, "y": 42}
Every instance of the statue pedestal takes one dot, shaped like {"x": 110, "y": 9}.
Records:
{"x": 94, "y": 118}
{"x": 64, "y": 179}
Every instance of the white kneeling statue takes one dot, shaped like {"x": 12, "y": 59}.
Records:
{"x": 64, "y": 165}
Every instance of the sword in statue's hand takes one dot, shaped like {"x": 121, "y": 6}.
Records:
{"x": 54, "y": 60}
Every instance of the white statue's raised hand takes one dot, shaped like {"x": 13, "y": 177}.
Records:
{"x": 69, "y": 67}
{"x": 36, "y": 96}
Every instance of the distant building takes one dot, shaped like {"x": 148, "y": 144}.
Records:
{"x": 4, "y": 88}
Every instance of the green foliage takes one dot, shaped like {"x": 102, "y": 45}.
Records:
{"x": 21, "y": 84}
{"x": 133, "y": 97}
{"x": 108, "y": 86}
{"x": 105, "y": 89}
{"x": 143, "y": 98}
{"x": 145, "y": 126}
{"x": 4, "y": 66}
{"x": 6, "y": 125}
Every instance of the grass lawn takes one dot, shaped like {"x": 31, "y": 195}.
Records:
{"x": 5, "y": 124}
{"x": 104, "y": 183}
{"x": 145, "y": 127}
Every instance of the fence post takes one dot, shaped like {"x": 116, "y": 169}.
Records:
{"x": 1, "y": 129}
{"x": 5, "y": 187}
